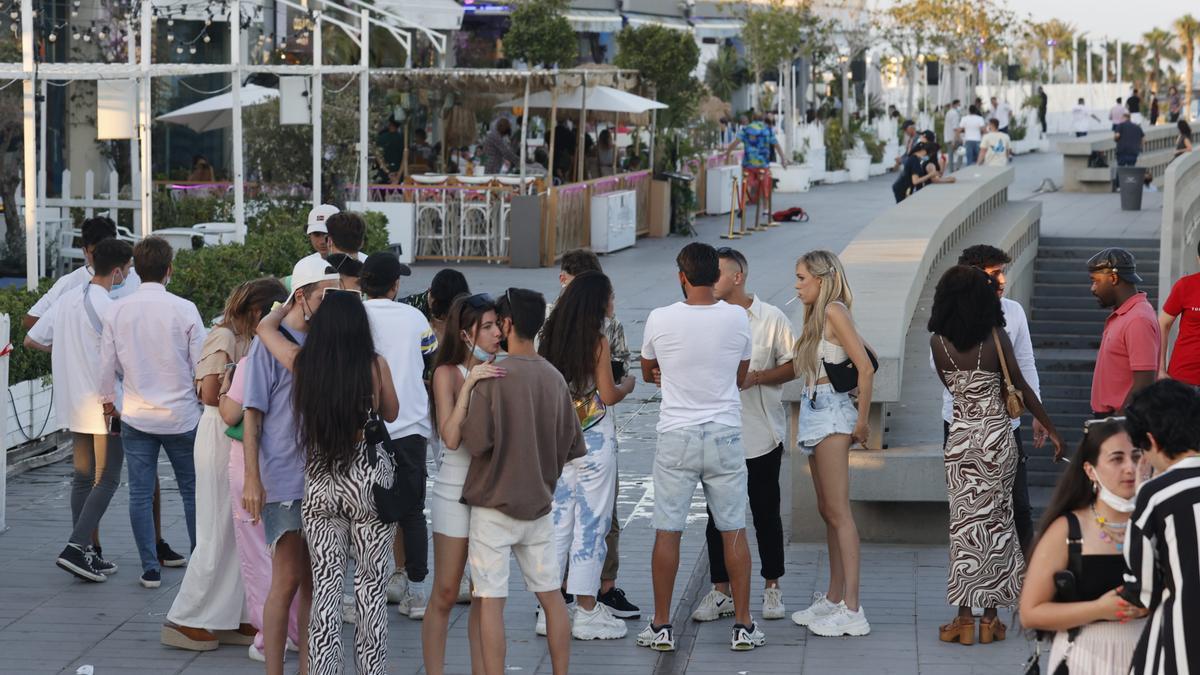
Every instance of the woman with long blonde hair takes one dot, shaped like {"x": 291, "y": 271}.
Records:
{"x": 829, "y": 424}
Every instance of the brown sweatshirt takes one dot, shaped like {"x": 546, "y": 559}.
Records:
{"x": 520, "y": 430}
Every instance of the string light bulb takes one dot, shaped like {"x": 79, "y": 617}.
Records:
{"x": 53, "y": 37}
{"x": 192, "y": 49}
{"x": 207, "y": 39}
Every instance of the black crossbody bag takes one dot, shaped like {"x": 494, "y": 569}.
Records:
{"x": 1066, "y": 589}
{"x": 844, "y": 376}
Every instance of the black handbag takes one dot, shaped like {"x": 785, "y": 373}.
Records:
{"x": 398, "y": 484}
{"x": 844, "y": 376}
{"x": 1065, "y": 583}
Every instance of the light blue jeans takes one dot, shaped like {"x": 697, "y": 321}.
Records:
{"x": 141, "y": 459}
{"x": 972, "y": 152}
{"x": 583, "y": 506}
{"x": 711, "y": 454}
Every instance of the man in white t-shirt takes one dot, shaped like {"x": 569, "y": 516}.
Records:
{"x": 403, "y": 337}
{"x": 91, "y": 232}
{"x": 71, "y": 331}
{"x": 951, "y": 135}
{"x": 971, "y": 127}
{"x": 996, "y": 147}
{"x": 1117, "y": 113}
{"x": 1002, "y": 112}
{"x": 1080, "y": 119}
{"x": 764, "y": 425}
{"x": 699, "y": 435}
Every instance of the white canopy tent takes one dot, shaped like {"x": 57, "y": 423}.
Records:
{"x": 217, "y": 112}
{"x": 596, "y": 99}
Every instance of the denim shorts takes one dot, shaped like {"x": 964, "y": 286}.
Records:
{"x": 279, "y": 518}
{"x": 824, "y": 412}
{"x": 710, "y": 454}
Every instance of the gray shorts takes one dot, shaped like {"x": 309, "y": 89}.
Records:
{"x": 279, "y": 518}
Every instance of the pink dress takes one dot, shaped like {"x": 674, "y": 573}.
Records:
{"x": 251, "y": 538}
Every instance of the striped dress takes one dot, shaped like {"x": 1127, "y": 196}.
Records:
{"x": 981, "y": 467}
{"x": 1162, "y": 554}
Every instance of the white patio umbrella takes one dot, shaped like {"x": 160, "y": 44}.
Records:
{"x": 599, "y": 99}
{"x": 217, "y": 112}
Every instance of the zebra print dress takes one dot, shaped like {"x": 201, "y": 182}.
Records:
{"x": 981, "y": 466}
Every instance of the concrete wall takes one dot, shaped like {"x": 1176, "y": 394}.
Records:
{"x": 1180, "y": 225}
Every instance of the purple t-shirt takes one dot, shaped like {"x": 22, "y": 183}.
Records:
{"x": 269, "y": 390}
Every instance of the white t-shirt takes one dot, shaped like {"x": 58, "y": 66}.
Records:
{"x": 1079, "y": 119}
{"x": 1117, "y": 113}
{"x": 75, "y": 358}
{"x": 76, "y": 279}
{"x": 1003, "y": 114}
{"x": 699, "y": 349}
{"x": 952, "y": 123}
{"x": 403, "y": 337}
{"x": 972, "y": 126}
{"x": 997, "y": 144}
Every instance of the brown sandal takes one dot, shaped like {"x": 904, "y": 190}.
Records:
{"x": 960, "y": 630}
{"x": 990, "y": 631}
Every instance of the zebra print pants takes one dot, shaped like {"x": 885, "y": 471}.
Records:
{"x": 339, "y": 512}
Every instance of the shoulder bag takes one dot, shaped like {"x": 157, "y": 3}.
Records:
{"x": 398, "y": 477}
{"x": 589, "y": 408}
{"x": 1065, "y": 588}
{"x": 1014, "y": 400}
{"x": 844, "y": 376}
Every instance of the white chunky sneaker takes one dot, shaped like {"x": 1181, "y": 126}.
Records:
{"x": 598, "y": 624}
{"x": 396, "y": 586}
{"x": 464, "y": 588}
{"x": 413, "y": 603}
{"x": 713, "y": 606}
{"x": 773, "y": 603}
{"x": 745, "y": 639}
{"x": 539, "y": 626}
{"x": 821, "y": 607}
{"x": 659, "y": 638}
{"x": 842, "y": 622}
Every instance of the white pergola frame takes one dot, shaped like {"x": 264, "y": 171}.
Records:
{"x": 141, "y": 72}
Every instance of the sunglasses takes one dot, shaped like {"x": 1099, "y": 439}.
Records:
{"x": 1103, "y": 420}
{"x": 336, "y": 291}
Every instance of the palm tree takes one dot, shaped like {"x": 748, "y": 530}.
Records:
{"x": 1160, "y": 45}
{"x": 1187, "y": 29}
{"x": 725, "y": 74}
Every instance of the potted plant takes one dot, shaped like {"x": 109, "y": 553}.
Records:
{"x": 835, "y": 152}
{"x": 796, "y": 177}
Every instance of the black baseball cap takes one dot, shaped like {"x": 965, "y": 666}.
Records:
{"x": 385, "y": 267}
{"x": 1118, "y": 260}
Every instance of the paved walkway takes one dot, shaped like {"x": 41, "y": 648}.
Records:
{"x": 51, "y": 623}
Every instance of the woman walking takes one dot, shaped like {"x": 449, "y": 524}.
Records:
{"x": 1097, "y": 631}
{"x": 981, "y": 451}
{"x": 210, "y": 607}
{"x": 830, "y": 423}
{"x": 573, "y": 341}
{"x": 339, "y": 382}
{"x": 465, "y": 356}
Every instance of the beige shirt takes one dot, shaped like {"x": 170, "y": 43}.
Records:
{"x": 764, "y": 422}
{"x": 520, "y": 430}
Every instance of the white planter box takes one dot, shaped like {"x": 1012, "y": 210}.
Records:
{"x": 792, "y": 179}
{"x": 859, "y": 167}
{"x": 1024, "y": 146}
{"x": 34, "y": 408}
{"x": 877, "y": 169}
{"x": 718, "y": 193}
{"x": 614, "y": 221}
{"x": 835, "y": 177}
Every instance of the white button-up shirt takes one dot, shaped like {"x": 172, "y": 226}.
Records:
{"x": 764, "y": 422}
{"x": 152, "y": 339}
{"x": 75, "y": 279}
{"x": 1017, "y": 327}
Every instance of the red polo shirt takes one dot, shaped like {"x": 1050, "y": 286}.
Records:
{"x": 1184, "y": 302}
{"x": 1130, "y": 343}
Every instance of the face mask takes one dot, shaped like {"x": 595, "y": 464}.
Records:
{"x": 481, "y": 355}
{"x": 117, "y": 286}
{"x": 1120, "y": 504}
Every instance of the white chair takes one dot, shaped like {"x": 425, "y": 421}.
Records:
{"x": 513, "y": 183}
{"x": 475, "y": 214}
{"x": 181, "y": 238}
{"x": 216, "y": 233}
{"x": 433, "y": 210}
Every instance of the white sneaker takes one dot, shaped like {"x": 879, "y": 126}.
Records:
{"x": 292, "y": 646}
{"x": 842, "y": 622}
{"x": 713, "y": 606}
{"x": 820, "y": 608}
{"x": 539, "y": 626}
{"x": 413, "y": 603}
{"x": 349, "y": 612}
{"x": 773, "y": 603}
{"x": 396, "y": 586}
{"x": 255, "y": 654}
{"x": 464, "y": 588}
{"x": 597, "y": 624}
{"x": 661, "y": 639}
{"x": 745, "y": 639}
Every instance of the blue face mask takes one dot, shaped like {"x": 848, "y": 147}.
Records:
{"x": 117, "y": 286}
{"x": 481, "y": 355}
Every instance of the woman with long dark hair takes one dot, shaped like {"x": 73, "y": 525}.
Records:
{"x": 573, "y": 341}
{"x": 465, "y": 356}
{"x": 338, "y": 382}
{"x": 970, "y": 351}
{"x": 1097, "y": 631}
{"x": 1184, "y": 144}
{"x": 434, "y": 302}
{"x": 210, "y": 605}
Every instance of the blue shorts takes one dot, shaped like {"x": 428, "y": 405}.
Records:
{"x": 824, "y": 413}
{"x": 710, "y": 454}
{"x": 279, "y": 518}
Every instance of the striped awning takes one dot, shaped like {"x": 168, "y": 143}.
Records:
{"x": 717, "y": 28}
{"x": 677, "y": 23}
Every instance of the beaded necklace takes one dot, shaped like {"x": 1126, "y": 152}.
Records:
{"x": 1111, "y": 532}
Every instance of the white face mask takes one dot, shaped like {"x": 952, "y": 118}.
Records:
{"x": 1118, "y": 503}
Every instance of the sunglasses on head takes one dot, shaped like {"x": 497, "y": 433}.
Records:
{"x": 1087, "y": 424}
{"x": 335, "y": 291}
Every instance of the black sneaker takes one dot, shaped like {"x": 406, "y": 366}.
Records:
{"x": 74, "y": 560}
{"x": 151, "y": 579}
{"x": 567, "y": 597}
{"x": 618, "y": 605}
{"x": 103, "y": 566}
{"x": 167, "y": 557}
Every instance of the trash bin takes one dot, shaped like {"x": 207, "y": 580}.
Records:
{"x": 1131, "y": 180}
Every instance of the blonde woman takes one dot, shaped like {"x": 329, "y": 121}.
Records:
{"x": 830, "y": 423}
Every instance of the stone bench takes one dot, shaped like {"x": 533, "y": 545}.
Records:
{"x": 1158, "y": 149}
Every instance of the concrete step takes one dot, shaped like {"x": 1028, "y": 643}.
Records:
{"x": 1089, "y": 315}
{"x": 1057, "y": 326}
{"x": 1095, "y": 243}
{"x": 1146, "y": 265}
{"x": 1075, "y": 288}
{"x": 1067, "y": 341}
{"x": 1080, "y": 276}
{"x": 1051, "y": 378}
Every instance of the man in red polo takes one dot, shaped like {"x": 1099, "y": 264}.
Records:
{"x": 1128, "y": 357}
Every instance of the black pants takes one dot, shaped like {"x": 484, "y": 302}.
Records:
{"x": 1022, "y": 509}
{"x": 412, "y": 524}
{"x": 762, "y": 483}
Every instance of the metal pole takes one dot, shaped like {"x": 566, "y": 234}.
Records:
{"x": 42, "y": 175}
{"x": 653, "y": 135}
{"x": 364, "y": 93}
{"x": 29, "y": 139}
{"x": 1104, "y": 61}
{"x": 1051, "y": 64}
{"x": 581, "y": 133}
{"x": 553, "y": 131}
{"x": 316, "y": 99}
{"x": 1074, "y": 60}
{"x": 1119, "y": 72}
{"x": 135, "y": 168}
{"x": 524, "y": 128}
{"x": 144, "y": 122}
{"x": 239, "y": 182}
{"x": 1087, "y": 50}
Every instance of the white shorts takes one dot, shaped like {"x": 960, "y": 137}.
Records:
{"x": 494, "y": 535}
{"x": 451, "y": 517}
